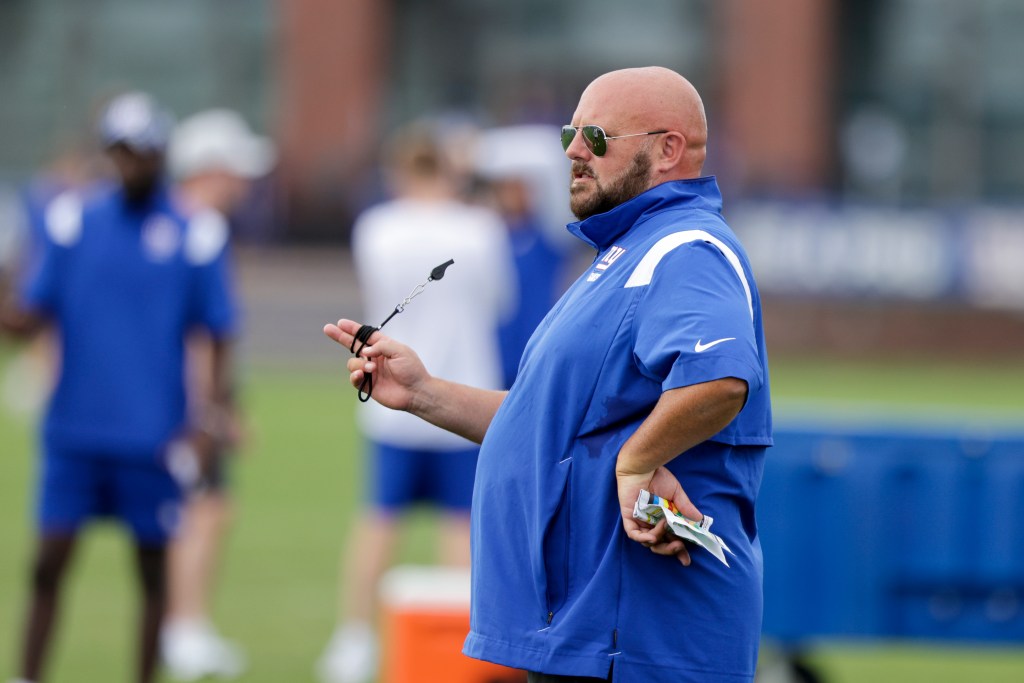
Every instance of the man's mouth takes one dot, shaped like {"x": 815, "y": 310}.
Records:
{"x": 580, "y": 173}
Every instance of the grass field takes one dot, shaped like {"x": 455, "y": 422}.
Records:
{"x": 297, "y": 490}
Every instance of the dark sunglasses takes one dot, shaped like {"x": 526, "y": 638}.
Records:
{"x": 595, "y": 137}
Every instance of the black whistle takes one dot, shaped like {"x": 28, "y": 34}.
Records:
{"x": 438, "y": 273}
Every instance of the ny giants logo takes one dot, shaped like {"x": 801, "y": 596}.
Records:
{"x": 610, "y": 257}
{"x": 613, "y": 254}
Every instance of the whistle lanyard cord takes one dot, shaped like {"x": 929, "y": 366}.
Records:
{"x": 366, "y": 331}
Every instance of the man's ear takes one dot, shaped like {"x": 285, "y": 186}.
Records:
{"x": 670, "y": 148}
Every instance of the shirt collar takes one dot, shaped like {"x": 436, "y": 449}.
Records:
{"x": 601, "y": 230}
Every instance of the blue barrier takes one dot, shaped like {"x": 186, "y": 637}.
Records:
{"x": 893, "y": 533}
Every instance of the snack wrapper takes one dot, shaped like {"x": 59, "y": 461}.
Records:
{"x": 651, "y": 509}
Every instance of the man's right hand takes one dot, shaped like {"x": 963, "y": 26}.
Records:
{"x": 14, "y": 319}
{"x": 397, "y": 371}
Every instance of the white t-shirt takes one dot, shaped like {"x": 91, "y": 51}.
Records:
{"x": 452, "y": 324}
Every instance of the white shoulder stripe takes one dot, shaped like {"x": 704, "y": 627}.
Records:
{"x": 63, "y": 219}
{"x": 644, "y": 270}
{"x": 206, "y": 236}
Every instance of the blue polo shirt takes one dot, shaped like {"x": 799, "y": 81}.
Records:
{"x": 557, "y": 587}
{"x": 124, "y": 283}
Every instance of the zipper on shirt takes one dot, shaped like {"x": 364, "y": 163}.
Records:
{"x": 615, "y": 637}
{"x": 551, "y": 617}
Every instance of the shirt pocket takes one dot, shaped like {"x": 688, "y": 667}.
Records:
{"x": 556, "y": 543}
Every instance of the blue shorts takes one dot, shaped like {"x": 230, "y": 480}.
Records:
{"x": 400, "y": 477}
{"x": 80, "y": 486}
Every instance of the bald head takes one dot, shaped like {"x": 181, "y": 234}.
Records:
{"x": 650, "y": 98}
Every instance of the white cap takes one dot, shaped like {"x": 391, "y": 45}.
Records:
{"x": 521, "y": 151}
{"x": 218, "y": 139}
{"x": 533, "y": 154}
{"x": 134, "y": 119}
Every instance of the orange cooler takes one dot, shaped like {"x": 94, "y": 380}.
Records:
{"x": 425, "y": 619}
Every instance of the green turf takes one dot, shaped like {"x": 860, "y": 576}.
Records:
{"x": 907, "y": 389}
{"x": 918, "y": 663}
{"x": 297, "y": 491}
{"x": 297, "y": 487}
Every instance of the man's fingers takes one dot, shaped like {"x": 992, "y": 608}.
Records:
{"x": 688, "y": 509}
{"x": 349, "y": 327}
{"x": 661, "y": 546}
{"x": 660, "y": 529}
{"x": 673, "y": 547}
{"x": 658, "y": 540}
{"x": 640, "y": 534}
{"x": 338, "y": 334}
{"x": 648, "y": 536}
{"x": 358, "y": 366}
{"x": 668, "y": 547}
{"x": 334, "y": 332}
{"x": 682, "y": 501}
{"x": 344, "y": 332}
{"x": 643, "y": 536}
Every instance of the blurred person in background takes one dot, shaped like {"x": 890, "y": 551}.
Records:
{"x": 395, "y": 246}
{"x": 213, "y": 156}
{"x": 649, "y": 374}
{"x": 519, "y": 165}
{"x": 123, "y": 279}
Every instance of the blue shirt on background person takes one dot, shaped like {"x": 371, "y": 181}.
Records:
{"x": 122, "y": 276}
{"x": 540, "y": 270}
{"x": 127, "y": 281}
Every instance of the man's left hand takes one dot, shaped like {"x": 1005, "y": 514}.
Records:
{"x": 663, "y": 483}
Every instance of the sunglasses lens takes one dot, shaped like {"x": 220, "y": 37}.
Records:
{"x": 594, "y": 135}
{"x": 568, "y": 135}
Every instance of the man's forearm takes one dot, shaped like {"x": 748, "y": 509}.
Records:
{"x": 681, "y": 419}
{"x": 17, "y": 321}
{"x": 213, "y": 382}
{"x": 457, "y": 408}
{"x": 222, "y": 371}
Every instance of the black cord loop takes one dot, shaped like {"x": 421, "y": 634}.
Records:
{"x": 363, "y": 336}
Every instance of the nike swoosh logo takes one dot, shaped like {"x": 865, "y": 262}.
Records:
{"x": 700, "y": 348}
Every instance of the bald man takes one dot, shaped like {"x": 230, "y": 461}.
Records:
{"x": 650, "y": 373}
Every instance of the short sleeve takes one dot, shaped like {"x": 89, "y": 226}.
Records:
{"x": 693, "y": 321}
{"x": 208, "y": 254}
{"x": 61, "y": 230}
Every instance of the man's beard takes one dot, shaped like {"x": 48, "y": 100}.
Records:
{"x": 139, "y": 190}
{"x": 634, "y": 180}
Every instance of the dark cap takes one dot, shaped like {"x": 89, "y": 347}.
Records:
{"x": 136, "y": 121}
